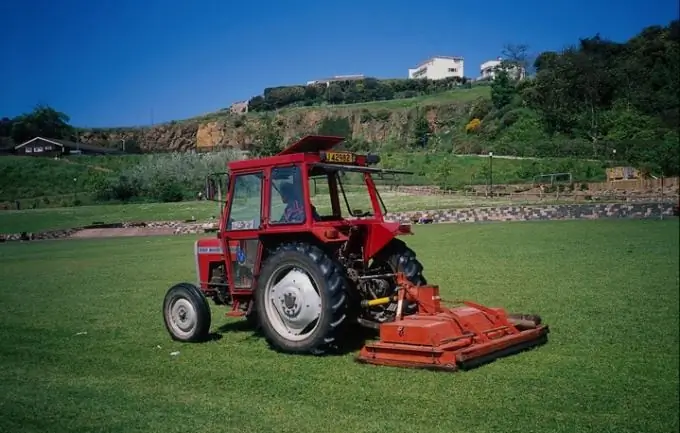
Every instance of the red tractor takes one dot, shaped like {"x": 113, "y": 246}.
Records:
{"x": 304, "y": 273}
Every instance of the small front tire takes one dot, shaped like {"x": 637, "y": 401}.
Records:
{"x": 186, "y": 313}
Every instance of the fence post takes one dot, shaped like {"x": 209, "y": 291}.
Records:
{"x": 661, "y": 216}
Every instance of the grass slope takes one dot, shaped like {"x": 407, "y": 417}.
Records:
{"x": 454, "y": 171}
{"x": 448, "y": 97}
{"x": 28, "y": 177}
{"x": 609, "y": 290}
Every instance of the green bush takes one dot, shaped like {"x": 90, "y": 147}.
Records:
{"x": 350, "y": 92}
{"x": 165, "y": 177}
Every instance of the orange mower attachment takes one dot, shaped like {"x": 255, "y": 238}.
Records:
{"x": 448, "y": 338}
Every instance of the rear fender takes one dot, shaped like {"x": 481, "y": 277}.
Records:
{"x": 319, "y": 236}
{"x": 380, "y": 234}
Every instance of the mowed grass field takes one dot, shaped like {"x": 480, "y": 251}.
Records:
{"x": 84, "y": 347}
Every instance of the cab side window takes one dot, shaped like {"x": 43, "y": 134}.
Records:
{"x": 246, "y": 206}
{"x": 287, "y": 205}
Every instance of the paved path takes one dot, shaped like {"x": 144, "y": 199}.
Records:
{"x": 122, "y": 232}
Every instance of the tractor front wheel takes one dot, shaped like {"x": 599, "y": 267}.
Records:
{"x": 300, "y": 299}
{"x": 186, "y": 313}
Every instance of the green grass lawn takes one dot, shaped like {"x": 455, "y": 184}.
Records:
{"x": 608, "y": 289}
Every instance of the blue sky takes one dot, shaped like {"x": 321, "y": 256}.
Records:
{"x": 125, "y": 63}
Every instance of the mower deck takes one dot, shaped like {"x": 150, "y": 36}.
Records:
{"x": 450, "y": 339}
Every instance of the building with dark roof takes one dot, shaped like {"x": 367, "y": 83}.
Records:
{"x": 40, "y": 146}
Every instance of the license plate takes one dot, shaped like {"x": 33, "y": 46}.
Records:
{"x": 344, "y": 157}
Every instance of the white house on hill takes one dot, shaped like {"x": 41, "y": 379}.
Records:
{"x": 438, "y": 67}
{"x": 488, "y": 70}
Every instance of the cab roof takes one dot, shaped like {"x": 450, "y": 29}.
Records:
{"x": 293, "y": 153}
{"x": 312, "y": 143}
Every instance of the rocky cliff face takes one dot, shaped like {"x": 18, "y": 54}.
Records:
{"x": 374, "y": 124}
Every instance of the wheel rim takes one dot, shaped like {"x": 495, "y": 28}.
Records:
{"x": 182, "y": 315}
{"x": 292, "y": 303}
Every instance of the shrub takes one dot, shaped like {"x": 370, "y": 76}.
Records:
{"x": 473, "y": 125}
{"x": 165, "y": 177}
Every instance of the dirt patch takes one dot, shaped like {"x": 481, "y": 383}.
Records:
{"x": 122, "y": 232}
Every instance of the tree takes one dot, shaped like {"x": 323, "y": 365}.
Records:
{"x": 334, "y": 94}
{"x": 338, "y": 126}
{"x": 5, "y": 127}
{"x": 269, "y": 143}
{"x": 502, "y": 89}
{"x": 518, "y": 55}
{"x": 545, "y": 60}
{"x": 43, "y": 121}
{"x": 421, "y": 131}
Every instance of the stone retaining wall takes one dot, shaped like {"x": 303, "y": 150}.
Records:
{"x": 462, "y": 215}
{"x": 546, "y": 212}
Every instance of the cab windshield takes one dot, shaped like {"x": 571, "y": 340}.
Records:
{"x": 350, "y": 184}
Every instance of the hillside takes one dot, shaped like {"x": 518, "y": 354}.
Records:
{"x": 372, "y": 122}
{"x": 58, "y": 182}
{"x": 585, "y": 101}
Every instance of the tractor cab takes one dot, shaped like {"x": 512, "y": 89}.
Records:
{"x": 307, "y": 187}
{"x": 304, "y": 184}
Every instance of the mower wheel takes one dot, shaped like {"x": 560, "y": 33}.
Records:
{"x": 400, "y": 258}
{"x": 186, "y": 313}
{"x": 300, "y": 299}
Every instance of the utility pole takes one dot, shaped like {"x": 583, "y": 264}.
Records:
{"x": 661, "y": 207}
{"x": 491, "y": 172}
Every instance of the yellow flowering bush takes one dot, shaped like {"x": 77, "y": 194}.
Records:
{"x": 473, "y": 125}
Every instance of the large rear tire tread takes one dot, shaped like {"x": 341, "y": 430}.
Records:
{"x": 197, "y": 299}
{"x": 328, "y": 276}
{"x": 401, "y": 258}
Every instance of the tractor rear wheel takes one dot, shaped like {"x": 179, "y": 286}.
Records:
{"x": 398, "y": 257}
{"x": 186, "y": 313}
{"x": 300, "y": 299}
